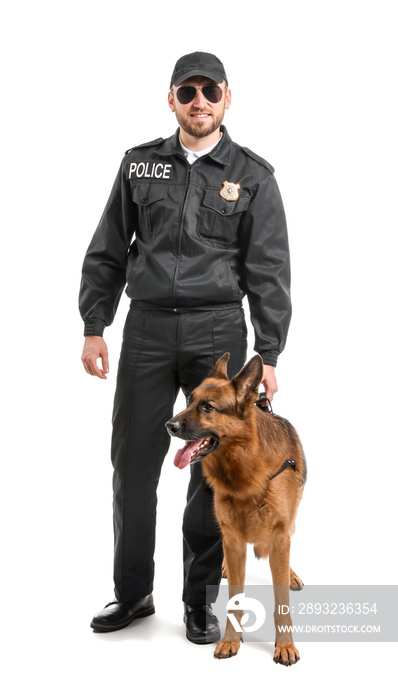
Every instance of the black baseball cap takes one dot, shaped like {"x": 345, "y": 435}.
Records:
{"x": 198, "y": 63}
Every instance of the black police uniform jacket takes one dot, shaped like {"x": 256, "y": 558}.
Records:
{"x": 192, "y": 247}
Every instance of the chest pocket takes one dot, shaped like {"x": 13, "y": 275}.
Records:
{"x": 150, "y": 200}
{"x": 219, "y": 219}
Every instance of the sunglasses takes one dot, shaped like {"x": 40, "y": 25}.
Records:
{"x": 211, "y": 93}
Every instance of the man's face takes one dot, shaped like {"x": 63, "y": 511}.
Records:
{"x": 199, "y": 118}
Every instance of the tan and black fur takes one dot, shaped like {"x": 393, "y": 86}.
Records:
{"x": 245, "y": 450}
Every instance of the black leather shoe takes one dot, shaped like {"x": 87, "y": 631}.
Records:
{"x": 117, "y": 615}
{"x": 202, "y": 624}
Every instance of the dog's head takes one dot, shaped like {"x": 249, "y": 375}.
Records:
{"x": 216, "y": 410}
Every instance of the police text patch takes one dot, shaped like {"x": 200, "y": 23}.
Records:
{"x": 150, "y": 170}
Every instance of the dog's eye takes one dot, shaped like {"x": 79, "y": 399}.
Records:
{"x": 209, "y": 407}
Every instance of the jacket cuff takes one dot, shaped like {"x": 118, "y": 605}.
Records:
{"x": 94, "y": 326}
{"x": 270, "y": 357}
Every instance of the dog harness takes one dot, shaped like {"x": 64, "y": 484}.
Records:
{"x": 264, "y": 405}
{"x": 287, "y": 463}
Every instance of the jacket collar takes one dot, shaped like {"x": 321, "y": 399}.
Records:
{"x": 221, "y": 153}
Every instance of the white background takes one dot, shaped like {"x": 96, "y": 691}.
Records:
{"x": 314, "y": 92}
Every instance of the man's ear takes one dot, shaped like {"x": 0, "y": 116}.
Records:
{"x": 247, "y": 381}
{"x": 228, "y": 98}
{"x": 170, "y": 99}
{"x": 219, "y": 370}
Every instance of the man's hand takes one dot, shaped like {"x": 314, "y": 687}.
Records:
{"x": 269, "y": 381}
{"x": 95, "y": 347}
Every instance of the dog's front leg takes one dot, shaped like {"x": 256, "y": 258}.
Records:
{"x": 279, "y": 559}
{"x": 235, "y": 562}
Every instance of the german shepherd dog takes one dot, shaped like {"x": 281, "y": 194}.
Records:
{"x": 255, "y": 463}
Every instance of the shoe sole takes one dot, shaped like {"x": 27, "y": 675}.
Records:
{"x": 204, "y": 640}
{"x": 120, "y": 626}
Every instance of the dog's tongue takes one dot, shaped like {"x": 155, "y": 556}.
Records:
{"x": 183, "y": 456}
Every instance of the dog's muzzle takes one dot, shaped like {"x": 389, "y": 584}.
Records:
{"x": 195, "y": 448}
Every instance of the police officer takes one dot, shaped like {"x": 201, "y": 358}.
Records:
{"x": 194, "y": 222}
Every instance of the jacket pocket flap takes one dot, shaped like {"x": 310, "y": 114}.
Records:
{"x": 146, "y": 194}
{"x": 213, "y": 200}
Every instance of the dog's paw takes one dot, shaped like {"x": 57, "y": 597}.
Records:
{"x": 226, "y": 649}
{"x": 296, "y": 583}
{"x": 286, "y": 653}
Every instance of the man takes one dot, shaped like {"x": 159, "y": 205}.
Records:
{"x": 209, "y": 228}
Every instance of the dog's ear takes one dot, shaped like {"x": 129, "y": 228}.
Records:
{"x": 247, "y": 381}
{"x": 220, "y": 368}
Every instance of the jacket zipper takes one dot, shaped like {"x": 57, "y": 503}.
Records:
{"x": 187, "y": 183}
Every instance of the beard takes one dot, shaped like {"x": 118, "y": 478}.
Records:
{"x": 199, "y": 130}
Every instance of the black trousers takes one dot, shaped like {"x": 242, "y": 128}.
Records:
{"x": 163, "y": 351}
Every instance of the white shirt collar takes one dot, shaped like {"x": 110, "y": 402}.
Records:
{"x": 191, "y": 156}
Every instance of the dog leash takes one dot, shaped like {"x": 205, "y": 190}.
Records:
{"x": 264, "y": 403}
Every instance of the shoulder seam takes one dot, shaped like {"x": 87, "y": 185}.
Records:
{"x": 258, "y": 158}
{"x": 142, "y": 145}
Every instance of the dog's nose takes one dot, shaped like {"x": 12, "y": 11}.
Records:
{"x": 173, "y": 427}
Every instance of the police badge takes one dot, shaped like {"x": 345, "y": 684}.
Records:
{"x": 229, "y": 191}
